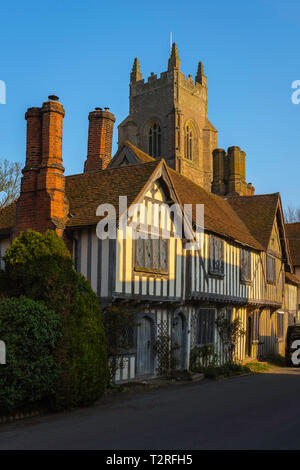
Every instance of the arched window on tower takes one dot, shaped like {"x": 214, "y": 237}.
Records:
{"x": 188, "y": 143}
{"x": 154, "y": 140}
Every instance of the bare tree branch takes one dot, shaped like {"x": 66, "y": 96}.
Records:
{"x": 10, "y": 178}
{"x": 292, "y": 214}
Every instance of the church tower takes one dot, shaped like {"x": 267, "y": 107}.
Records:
{"x": 168, "y": 118}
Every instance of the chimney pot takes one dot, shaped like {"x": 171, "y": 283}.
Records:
{"x": 53, "y": 98}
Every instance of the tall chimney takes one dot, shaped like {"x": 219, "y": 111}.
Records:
{"x": 219, "y": 173}
{"x": 101, "y": 124}
{"x": 26, "y": 205}
{"x": 52, "y": 205}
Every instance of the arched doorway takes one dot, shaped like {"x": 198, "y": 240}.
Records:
{"x": 145, "y": 347}
{"x": 178, "y": 341}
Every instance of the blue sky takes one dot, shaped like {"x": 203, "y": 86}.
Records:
{"x": 83, "y": 52}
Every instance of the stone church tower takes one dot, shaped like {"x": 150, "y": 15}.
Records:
{"x": 168, "y": 118}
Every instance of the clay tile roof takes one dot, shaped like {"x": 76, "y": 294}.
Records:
{"x": 293, "y": 235}
{"x": 291, "y": 278}
{"x": 258, "y": 213}
{"x": 87, "y": 191}
{"x": 219, "y": 216}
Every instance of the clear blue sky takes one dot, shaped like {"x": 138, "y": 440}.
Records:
{"x": 83, "y": 52}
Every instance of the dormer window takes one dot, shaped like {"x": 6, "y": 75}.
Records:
{"x": 154, "y": 141}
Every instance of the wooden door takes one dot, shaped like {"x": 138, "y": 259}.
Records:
{"x": 145, "y": 347}
{"x": 178, "y": 341}
{"x": 249, "y": 337}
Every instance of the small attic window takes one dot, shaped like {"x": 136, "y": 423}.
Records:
{"x": 154, "y": 141}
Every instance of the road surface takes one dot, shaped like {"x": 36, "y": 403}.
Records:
{"x": 251, "y": 412}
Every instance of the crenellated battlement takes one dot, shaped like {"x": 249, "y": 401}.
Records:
{"x": 168, "y": 118}
{"x": 168, "y": 77}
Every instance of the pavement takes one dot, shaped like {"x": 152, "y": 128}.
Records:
{"x": 260, "y": 411}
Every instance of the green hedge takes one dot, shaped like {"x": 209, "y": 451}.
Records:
{"x": 40, "y": 267}
{"x": 30, "y": 332}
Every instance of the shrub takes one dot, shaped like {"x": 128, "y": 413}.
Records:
{"x": 84, "y": 368}
{"x": 203, "y": 356}
{"x": 30, "y": 332}
{"x": 229, "y": 332}
{"x": 40, "y": 267}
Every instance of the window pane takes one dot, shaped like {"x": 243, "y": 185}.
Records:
{"x": 139, "y": 253}
{"x": 148, "y": 253}
{"x": 271, "y": 270}
{"x": 156, "y": 261}
{"x": 163, "y": 254}
{"x": 211, "y": 261}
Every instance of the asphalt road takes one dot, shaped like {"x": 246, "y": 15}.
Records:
{"x": 252, "y": 412}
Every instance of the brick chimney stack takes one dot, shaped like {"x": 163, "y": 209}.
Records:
{"x": 42, "y": 204}
{"x": 26, "y": 206}
{"x": 229, "y": 175}
{"x": 101, "y": 124}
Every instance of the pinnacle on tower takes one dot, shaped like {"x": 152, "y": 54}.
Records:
{"x": 174, "y": 61}
{"x": 200, "y": 73}
{"x": 135, "y": 75}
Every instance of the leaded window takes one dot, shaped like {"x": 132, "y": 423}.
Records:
{"x": 245, "y": 265}
{"x": 188, "y": 143}
{"x": 280, "y": 324}
{"x": 216, "y": 260}
{"x": 154, "y": 141}
{"x": 271, "y": 269}
{"x": 151, "y": 254}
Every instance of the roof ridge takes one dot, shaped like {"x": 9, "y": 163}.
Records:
{"x": 97, "y": 172}
{"x": 236, "y": 196}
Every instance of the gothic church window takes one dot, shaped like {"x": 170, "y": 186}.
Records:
{"x": 154, "y": 141}
{"x": 188, "y": 143}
